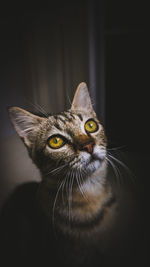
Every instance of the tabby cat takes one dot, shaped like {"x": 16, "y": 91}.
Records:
{"x": 74, "y": 213}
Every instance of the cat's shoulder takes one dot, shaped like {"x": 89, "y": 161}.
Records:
{"x": 22, "y": 227}
{"x": 21, "y": 199}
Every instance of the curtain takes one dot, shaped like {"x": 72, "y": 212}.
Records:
{"x": 56, "y": 55}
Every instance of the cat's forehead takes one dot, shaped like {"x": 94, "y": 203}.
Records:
{"x": 75, "y": 117}
{"x": 69, "y": 121}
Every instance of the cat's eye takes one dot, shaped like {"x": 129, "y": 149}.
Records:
{"x": 56, "y": 141}
{"x": 91, "y": 126}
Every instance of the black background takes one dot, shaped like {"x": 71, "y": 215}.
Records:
{"x": 127, "y": 81}
{"x": 126, "y": 61}
{"x": 126, "y": 75}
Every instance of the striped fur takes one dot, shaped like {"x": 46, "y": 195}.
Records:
{"x": 74, "y": 187}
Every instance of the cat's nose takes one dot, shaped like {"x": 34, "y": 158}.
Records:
{"x": 88, "y": 147}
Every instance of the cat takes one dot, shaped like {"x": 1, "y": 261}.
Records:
{"x": 75, "y": 216}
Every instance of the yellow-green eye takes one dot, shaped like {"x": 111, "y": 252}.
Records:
{"x": 56, "y": 141}
{"x": 91, "y": 126}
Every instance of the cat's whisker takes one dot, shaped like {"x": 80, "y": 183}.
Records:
{"x": 128, "y": 171}
{"x": 67, "y": 187}
{"x": 85, "y": 196}
{"x": 115, "y": 170}
{"x": 116, "y": 148}
{"x": 63, "y": 189}
{"x": 78, "y": 179}
{"x": 79, "y": 186}
{"x": 55, "y": 200}
{"x": 85, "y": 174}
{"x": 57, "y": 170}
{"x": 60, "y": 167}
{"x": 81, "y": 178}
{"x": 72, "y": 184}
{"x": 70, "y": 194}
{"x": 69, "y": 197}
{"x": 120, "y": 174}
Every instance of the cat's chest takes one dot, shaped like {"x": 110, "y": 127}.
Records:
{"x": 32, "y": 237}
{"x": 82, "y": 218}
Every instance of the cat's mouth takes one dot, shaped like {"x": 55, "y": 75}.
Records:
{"x": 89, "y": 163}
{"x": 95, "y": 156}
{"x": 95, "y": 162}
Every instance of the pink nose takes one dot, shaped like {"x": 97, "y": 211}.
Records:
{"x": 87, "y": 147}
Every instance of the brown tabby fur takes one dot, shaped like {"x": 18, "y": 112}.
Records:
{"x": 75, "y": 195}
{"x": 35, "y": 131}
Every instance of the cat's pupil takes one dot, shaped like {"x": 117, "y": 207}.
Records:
{"x": 90, "y": 125}
{"x": 56, "y": 140}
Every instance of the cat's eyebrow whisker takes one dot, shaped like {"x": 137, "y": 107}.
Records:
{"x": 39, "y": 108}
{"x": 69, "y": 99}
{"x": 42, "y": 110}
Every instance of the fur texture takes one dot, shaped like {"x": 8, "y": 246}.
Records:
{"x": 74, "y": 211}
{"x": 78, "y": 168}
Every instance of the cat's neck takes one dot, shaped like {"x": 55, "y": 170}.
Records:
{"x": 82, "y": 205}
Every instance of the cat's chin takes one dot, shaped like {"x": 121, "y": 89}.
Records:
{"x": 92, "y": 163}
{"x": 93, "y": 166}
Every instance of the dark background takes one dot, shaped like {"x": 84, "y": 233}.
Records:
{"x": 47, "y": 49}
{"x": 126, "y": 75}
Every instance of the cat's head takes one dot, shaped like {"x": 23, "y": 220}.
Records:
{"x": 68, "y": 143}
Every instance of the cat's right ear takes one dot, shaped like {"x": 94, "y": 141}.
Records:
{"x": 82, "y": 98}
{"x": 25, "y": 123}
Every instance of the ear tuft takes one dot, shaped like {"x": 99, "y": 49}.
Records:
{"x": 82, "y": 98}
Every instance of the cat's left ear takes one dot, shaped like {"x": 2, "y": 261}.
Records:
{"x": 82, "y": 98}
{"x": 25, "y": 124}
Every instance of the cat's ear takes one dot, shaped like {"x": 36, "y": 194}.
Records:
{"x": 82, "y": 98}
{"x": 25, "y": 123}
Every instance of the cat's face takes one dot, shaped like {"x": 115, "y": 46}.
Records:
{"x": 69, "y": 143}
